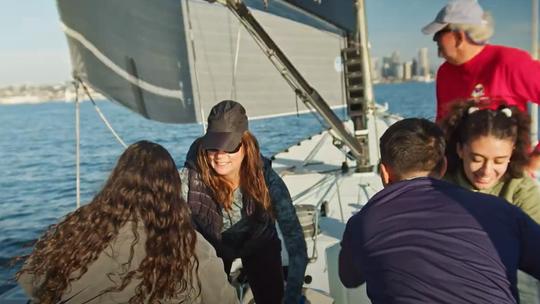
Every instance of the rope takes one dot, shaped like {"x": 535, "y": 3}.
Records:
{"x": 282, "y": 70}
{"x": 103, "y": 118}
{"x": 235, "y": 63}
{"x": 339, "y": 200}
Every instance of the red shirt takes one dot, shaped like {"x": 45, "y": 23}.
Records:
{"x": 496, "y": 72}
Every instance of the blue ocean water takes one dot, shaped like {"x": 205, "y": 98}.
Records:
{"x": 37, "y": 155}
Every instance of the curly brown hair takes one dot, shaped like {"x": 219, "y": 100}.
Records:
{"x": 461, "y": 127}
{"x": 143, "y": 188}
{"x": 252, "y": 180}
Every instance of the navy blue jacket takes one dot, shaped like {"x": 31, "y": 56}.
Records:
{"x": 429, "y": 241}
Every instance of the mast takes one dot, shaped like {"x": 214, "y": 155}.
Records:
{"x": 534, "y": 54}
{"x": 302, "y": 88}
{"x": 363, "y": 43}
{"x": 358, "y": 85}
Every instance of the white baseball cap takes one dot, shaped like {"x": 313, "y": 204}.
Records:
{"x": 456, "y": 11}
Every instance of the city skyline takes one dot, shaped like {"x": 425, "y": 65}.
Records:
{"x": 392, "y": 67}
{"x": 33, "y": 49}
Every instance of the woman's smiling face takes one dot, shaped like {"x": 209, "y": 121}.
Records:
{"x": 227, "y": 164}
{"x": 485, "y": 160}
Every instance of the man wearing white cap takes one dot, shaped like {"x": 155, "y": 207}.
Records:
{"x": 475, "y": 69}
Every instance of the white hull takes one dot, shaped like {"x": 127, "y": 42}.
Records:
{"x": 320, "y": 180}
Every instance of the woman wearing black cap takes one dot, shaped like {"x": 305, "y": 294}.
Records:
{"x": 235, "y": 198}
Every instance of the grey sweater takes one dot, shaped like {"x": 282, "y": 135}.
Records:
{"x": 214, "y": 285}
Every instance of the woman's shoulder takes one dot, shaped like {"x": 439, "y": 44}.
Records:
{"x": 203, "y": 248}
{"x": 520, "y": 191}
{"x": 523, "y": 186}
{"x": 525, "y": 194}
{"x": 523, "y": 182}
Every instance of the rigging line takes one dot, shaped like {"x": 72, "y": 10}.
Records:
{"x": 313, "y": 112}
{"x": 326, "y": 179}
{"x": 314, "y": 254}
{"x": 117, "y": 69}
{"x": 339, "y": 199}
{"x": 269, "y": 53}
{"x": 343, "y": 44}
{"x": 309, "y": 158}
{"x": 102, "y": 116}
{"x": 281, "y": 68}
{"x": 195, "y": 69}
{"x": 235, "y": 62}
{"x": 296, "y": 103}
{"x": 315, "y": 187}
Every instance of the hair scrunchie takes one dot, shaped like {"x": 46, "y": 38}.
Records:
{"x": 507, "y": 112}
{"x": 472, "y": 110}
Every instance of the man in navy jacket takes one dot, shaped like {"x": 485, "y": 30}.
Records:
{"x": 423, "y": 240}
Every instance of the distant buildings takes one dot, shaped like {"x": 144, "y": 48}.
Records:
{"x": 42, "y": 93}
{"x": 392, "y": 69}
{"x": 424, "y": 71}
{"x": 387, "y": 69}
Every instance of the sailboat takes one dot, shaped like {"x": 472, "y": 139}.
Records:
{"x": 170, "y": 61}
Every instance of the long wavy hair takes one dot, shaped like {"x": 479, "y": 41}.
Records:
{"x": 252, "y": 180}
{"x": 464, "y": 125}
{"x": 143, "y": 189}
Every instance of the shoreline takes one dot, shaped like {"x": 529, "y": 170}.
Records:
{"x": 33, "y": 99}
{"x": 37, "y": 94}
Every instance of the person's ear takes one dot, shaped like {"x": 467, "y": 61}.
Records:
{"x": 385, "y": 174}
{"x": 460, "y": 38}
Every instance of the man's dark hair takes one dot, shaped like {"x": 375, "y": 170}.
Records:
{"x": 412, "y": 145}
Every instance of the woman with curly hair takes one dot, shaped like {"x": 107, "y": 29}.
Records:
{"x": 133, "y": 243}
{"x": 235, "y": 197}
{"x": 487, "y": 151}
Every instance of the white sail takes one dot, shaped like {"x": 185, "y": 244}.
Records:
{"x": 170, "y": 60}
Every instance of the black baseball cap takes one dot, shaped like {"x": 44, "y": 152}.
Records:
{"x": 227, "y": 122}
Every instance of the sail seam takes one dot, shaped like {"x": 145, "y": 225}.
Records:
{"x": 176, "y": 94}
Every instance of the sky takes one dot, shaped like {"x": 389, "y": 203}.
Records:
{"x": 33, "y": 50}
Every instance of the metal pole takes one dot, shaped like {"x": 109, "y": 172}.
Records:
{"x": 362, "y": 38}
{"x": 534, "y": 29}
{"x": 534, "y": 54}
{"x": 78, "y": 143}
